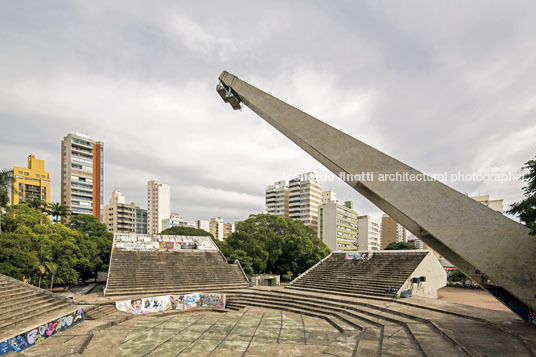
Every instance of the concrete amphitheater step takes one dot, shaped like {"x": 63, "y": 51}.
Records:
{"x": 346, "y": 291}
{"x": 22, "y": 303}
{"x": 416, "y": 334}
{"x": 161, "y": 272}
{"x": 370, "y": 338}
{"x": 457, "y": 330}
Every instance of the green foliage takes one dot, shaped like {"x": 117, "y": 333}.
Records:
{"x": 457, "y": 275}
{"x": 400, "y": 246}
{"x": 57, "y": 211}
{"x": 526, "y": 209}
{"x": 95, "y": 239}
{"x": 186, "y": 231}
{"x": 6, "y": 184}
{"x": 267, "y": 243}
{"x": 22, "y": 216}
{"x": 48, "y": 254}
{"x": 17, "y": 260}
{"x": 36, "y": 203}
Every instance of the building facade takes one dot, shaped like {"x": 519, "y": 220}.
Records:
{"x": 119, "y": 216}
{"x": 329, "y": 196}
{"x": 277, "y": 196}
{"x": 368, "y": 234}
{"x": 338, "y": 225}
{"x": 82, "y": 175}
{"x": 141, "y": 219}
{"x": 217, "y": 227}
{"x": 176, "y": 220}
{"x": 496, "y": 205}
{"x": 305, "y": 196}
{"x": 31, "y": 182}
{"x": 392, "y": 231}
{"x": 158, "y": 205}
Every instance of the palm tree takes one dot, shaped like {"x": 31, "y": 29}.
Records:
{"x": 57, "y": 211}
{"x": 6, "y": 185}
{"x": 46, "y": 266}
{"x": 36, "y": 203}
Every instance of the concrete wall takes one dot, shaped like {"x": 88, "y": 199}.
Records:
{"x": 436, "y": 278}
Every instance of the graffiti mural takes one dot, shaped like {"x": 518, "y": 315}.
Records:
{"x": 38, "y": 334}
{"x": 162, "y": 242}
{"x": 356, "y": 256}
{"x": 211, "y": 300}
{"x": 167, "y": 245}
{"x": 171, "y": 302}
{"x": 513, "y": 304}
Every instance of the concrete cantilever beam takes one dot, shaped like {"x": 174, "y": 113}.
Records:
{"x": 495, "y": 251}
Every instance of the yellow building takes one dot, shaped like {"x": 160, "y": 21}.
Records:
{"x": 31, "y": 182}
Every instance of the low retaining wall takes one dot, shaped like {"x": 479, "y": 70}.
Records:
{"x": 38, "y": 334}
{"x": 171, "y": 302}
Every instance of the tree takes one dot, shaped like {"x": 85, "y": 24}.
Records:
{"x": 526, "y": 209}
{"x": 400, "y": 246}
{"x": 268, "y": 243}
{"x": 457, "y": 275}
{"x": 36, "y": 203}
{"x": 92, "y": 232}
{"x": 6, "y": 184}
{"x": 23, "y": 216}
{"x": 18, "y": 259}
{"x": 57, "y": 211}
{"x": 186, "y": 231}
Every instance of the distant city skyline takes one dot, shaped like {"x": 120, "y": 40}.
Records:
{"x": 144, "y": 84}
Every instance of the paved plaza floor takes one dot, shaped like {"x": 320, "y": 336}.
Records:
{"x": 253, "y": 332}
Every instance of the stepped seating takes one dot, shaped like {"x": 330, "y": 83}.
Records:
{"x": 374, "y": 327}
{"x": 160, "y": 272}
{"x": 367, "y": 277}
{"x": 24, "y": 305}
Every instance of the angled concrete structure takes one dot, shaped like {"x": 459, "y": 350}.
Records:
{"x": 492, "y": 249}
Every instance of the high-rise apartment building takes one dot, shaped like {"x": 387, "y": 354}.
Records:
{"x": 416, "y": 241}
{"x": 158, "y": 205}
{"x": 119, "y": 216}
{"x": 368, "y": 234}
{"x": 392, "y": 231}
{"x": 329, "y": 196}
{"x": 338, "y": 225}
{"x": 277, "y": 196}
{"x": 31, "y": 182}
{"x": 176, "y": 220}
{"x": 305, "y": 195}
{"x": 496, "y": 205}
{"x": 141, "y": 219}
{"x": 299, "y": 199}
{"x": 82, "y": 175}
{"x": 217, "y": 227}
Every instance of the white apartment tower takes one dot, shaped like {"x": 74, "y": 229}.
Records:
{"x": 277, "y": 199}
{"x": 368, "y": 234}
{"x": 82, "y": 175}
{"x": 119, "y": 216}
{"x": 305, "y": 196}
{"x": 158, "y": 205}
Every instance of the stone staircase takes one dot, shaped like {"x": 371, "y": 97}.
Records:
{"x": 366, "y": 277}
{"x": 382, "y": 327}
{"x": 160, "y": 272}
{"x": 23, "y": 305}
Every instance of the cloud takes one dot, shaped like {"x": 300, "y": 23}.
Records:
{"x": 435, "y": 86}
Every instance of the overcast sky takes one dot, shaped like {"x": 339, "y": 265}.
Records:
{"x": 444, "y": 86}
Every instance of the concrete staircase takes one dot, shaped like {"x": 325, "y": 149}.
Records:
{"x": 143, "y": 273}
{"x": 24, "y": 305}
{"x": 366, "y": 277}
{"x": 380, "y": 327}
